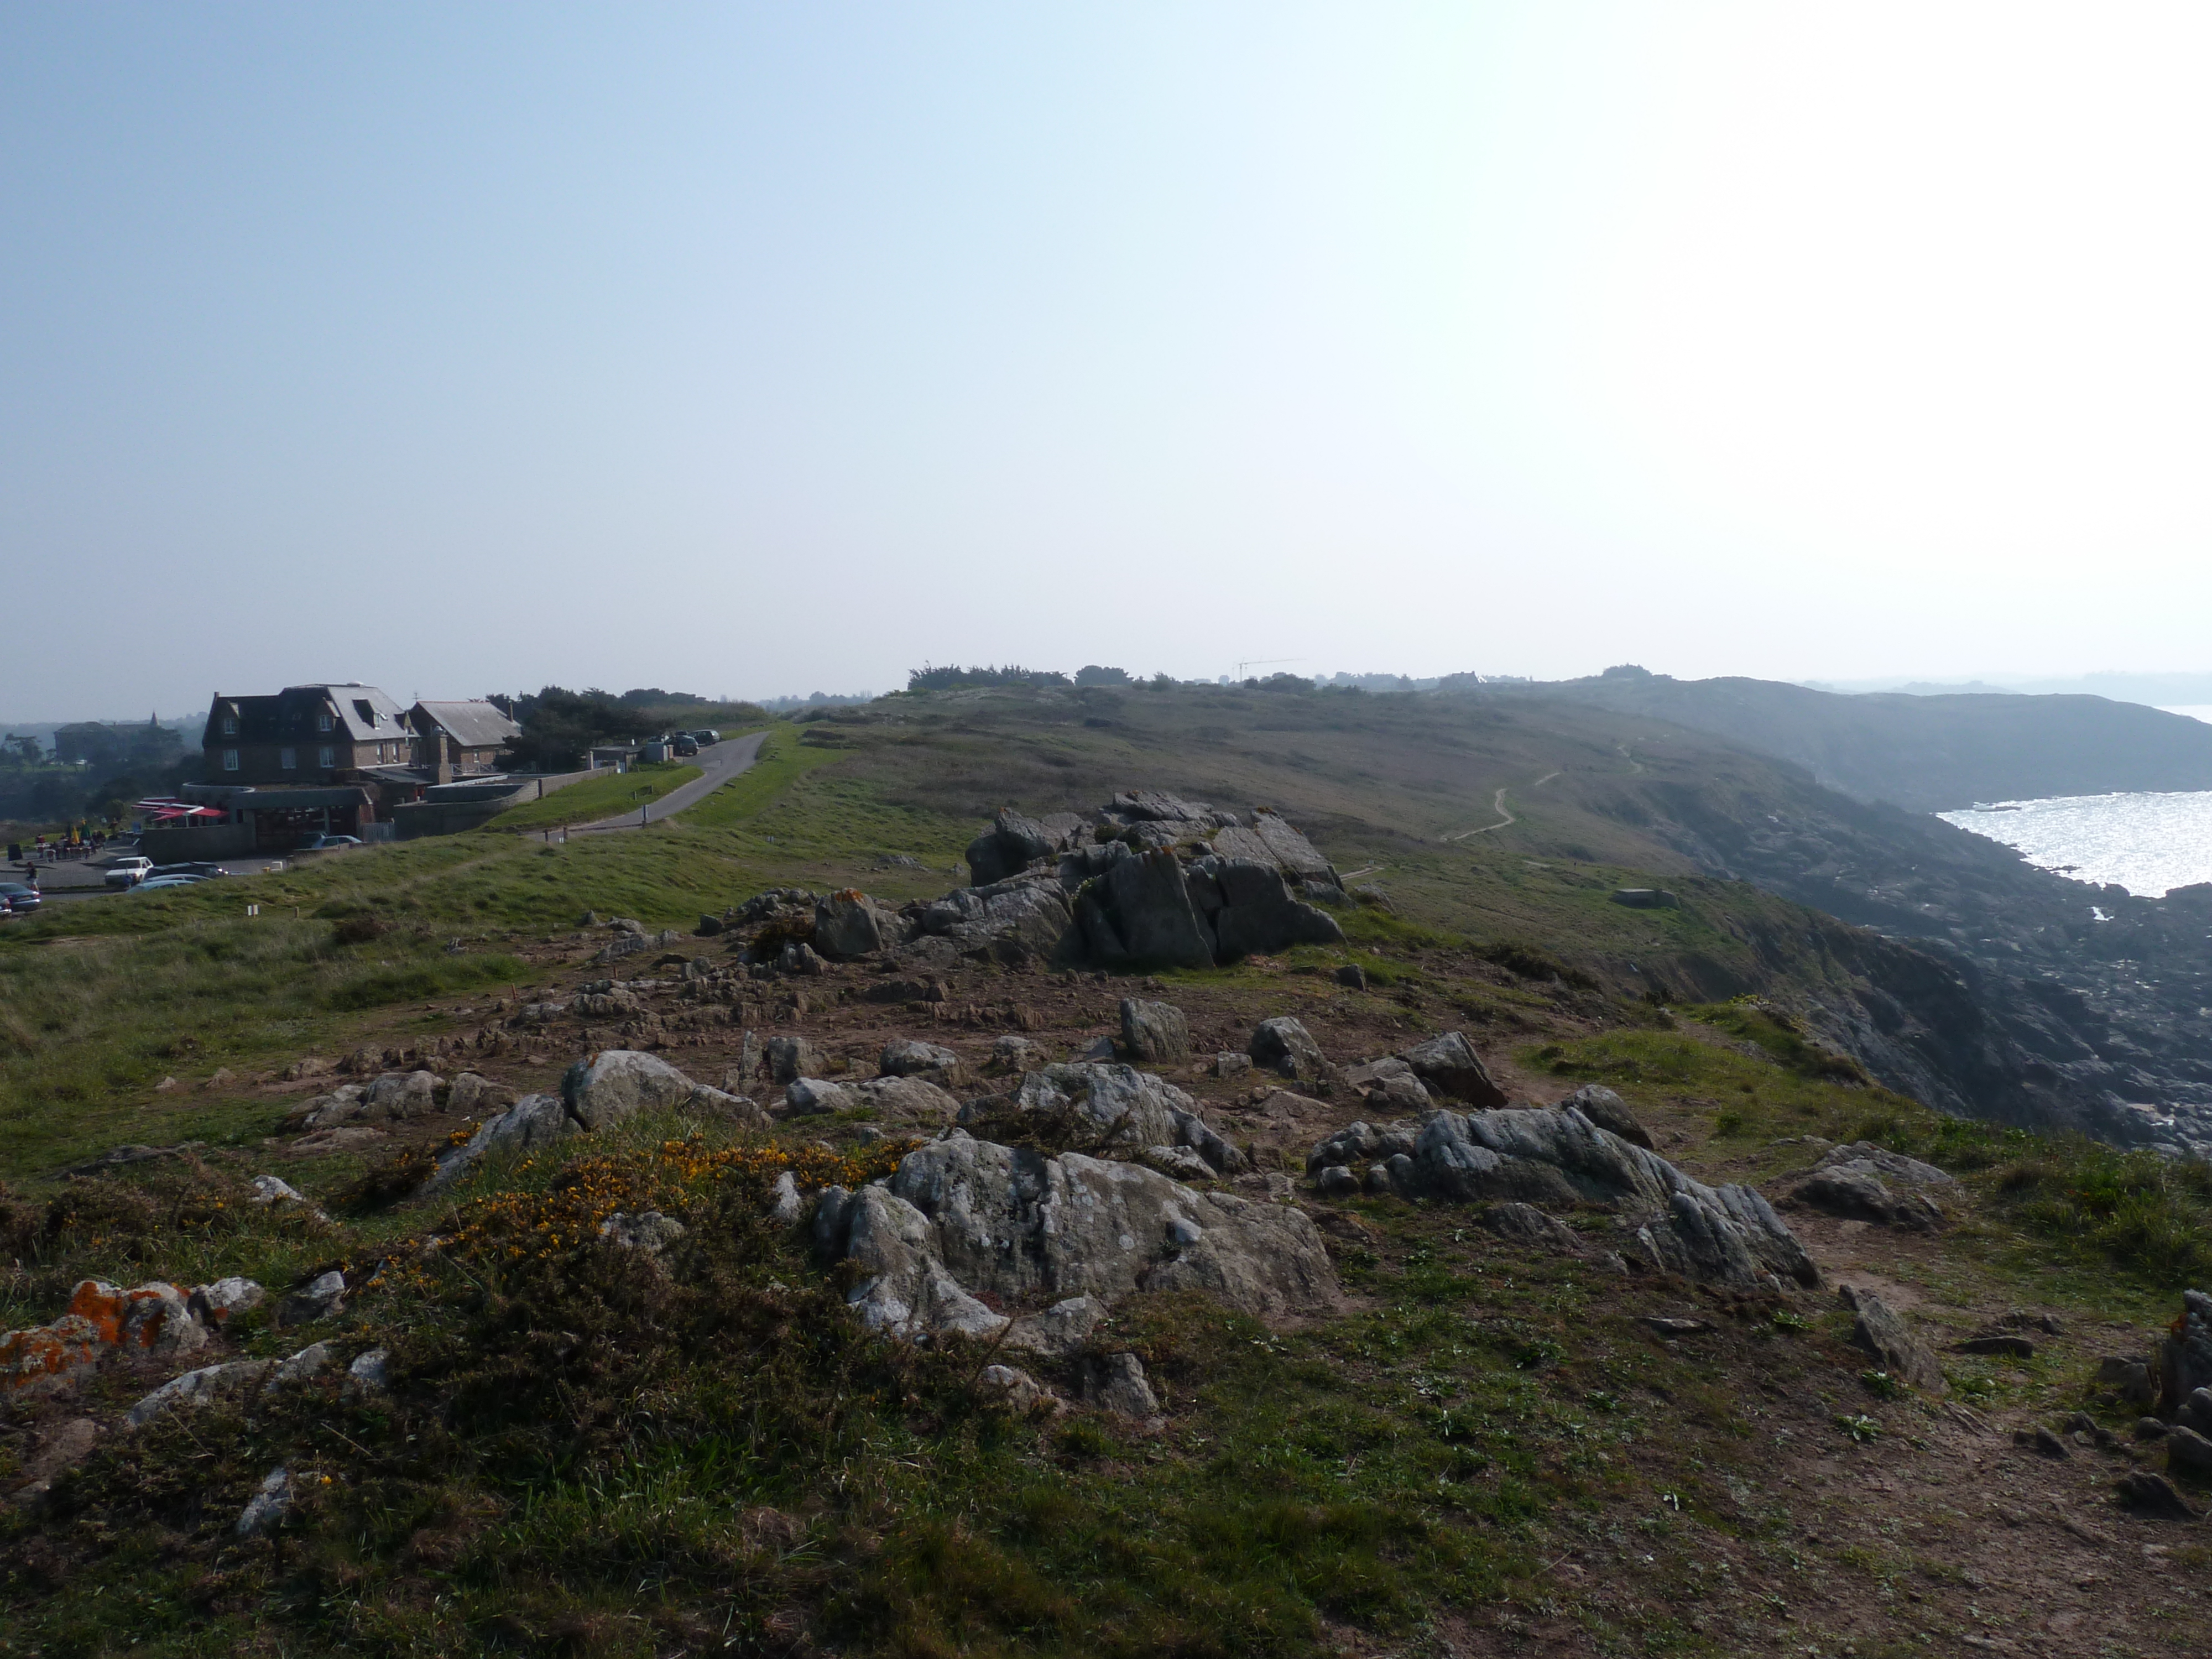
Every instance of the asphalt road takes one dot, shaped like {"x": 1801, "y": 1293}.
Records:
{"x": 719, "y": 763}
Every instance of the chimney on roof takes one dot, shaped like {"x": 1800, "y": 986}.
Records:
{"x": 440, "y": 758}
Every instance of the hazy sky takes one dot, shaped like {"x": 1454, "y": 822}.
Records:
{"x": 776, "y": 349}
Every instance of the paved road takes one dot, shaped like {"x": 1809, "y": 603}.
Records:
{"x": 720, "y": 762}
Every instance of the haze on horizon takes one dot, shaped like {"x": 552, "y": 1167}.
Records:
{"x": 757, "y": 350}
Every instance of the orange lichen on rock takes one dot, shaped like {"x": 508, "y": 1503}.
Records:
{"x": 103, "y": 1305}
{"x": 48, "y": 1354}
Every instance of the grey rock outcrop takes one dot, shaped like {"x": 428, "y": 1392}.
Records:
{"x": 1154, "y": 1031}
{"x": 1116, "y": 1382}
{"x": 1603, "y": 1107}
{"x": 906, "y": 1099}
{"x": 2185, "y": 1355}
{"x": 906, "y": 1057}
{"x": 1556, "y": 1157}
{"x": 1450, "y": 1066}
{"x": 317, "y": 1299}
{"x": 1881, "y": 1333}
{"x": 1138, "y": 913}
{"x": 1101, "y": 1105}
{"x": 616, "y": 1083}
{"x": 792, "y": 1057}
{"x": 850, "y": 924}
{"x": 1021, "y": 919}
{"x": 1284, "y": 1046}
{"x": 533, "y": 1123}
{"x": 267, "y": 1508}
{"x": 962, "y": 1217}
{"x": 647, "y": 1231}
{"x": 1873, "y": 1184}
{"x": 1248, "y": 910}
{"x": 1012, "y": 843}
{"x": 473, "y": 1095}
{"x": 1524, "y": 1223}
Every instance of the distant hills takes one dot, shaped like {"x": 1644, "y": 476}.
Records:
{"x": 1927, "y": 753}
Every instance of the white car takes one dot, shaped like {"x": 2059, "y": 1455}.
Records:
{"x": 128, "y": 872}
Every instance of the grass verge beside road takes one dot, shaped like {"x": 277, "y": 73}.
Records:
{"x": 597, "y": 798}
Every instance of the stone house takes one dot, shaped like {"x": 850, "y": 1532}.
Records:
{"x": 305, "y": 734}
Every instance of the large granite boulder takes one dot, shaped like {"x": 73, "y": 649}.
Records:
{"x": 1138, "y": 913}
{"x": 1556, "y": 1158}
{"x": 1283, "y": 1045}
{"x": 1450, "y": 1066}
{"x": 1101, "y": 1105}
{"x": 1250, "y": 909}
{"x": 962, "y": 1219}
{"x": 1872, "y": 1183}
{"x": 1019, "y": 920}
{"x": 1154, "y": 1031}
{"x": 616, "y": 1083}
{"x": 2185, "y": 1355}
{"x": 908, "y": 1100}
{"x": 1014, "y": 842}
{"x": 533, "y": 1123}
{"x": 850, "y": 924}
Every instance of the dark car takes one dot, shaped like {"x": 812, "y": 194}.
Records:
{"x": 687, "y": 745}
{"x": 20, "y": 899}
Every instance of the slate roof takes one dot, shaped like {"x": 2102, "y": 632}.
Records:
{"x": 471, "y": 725}
{"x": 364, "y": 714}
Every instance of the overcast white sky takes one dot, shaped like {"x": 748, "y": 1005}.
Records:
{"x": 758, "y": 349}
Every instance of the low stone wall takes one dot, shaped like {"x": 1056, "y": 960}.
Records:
{"x": 452, "y": 817}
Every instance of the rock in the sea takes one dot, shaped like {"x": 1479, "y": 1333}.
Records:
{"x": 1871, "y": 1184}
{"x": 1153, "y": 1032}
{"x": 1881, "y": 1332}
{"x": 961, "y": 1219}
{"x": 1283, "y": 1045}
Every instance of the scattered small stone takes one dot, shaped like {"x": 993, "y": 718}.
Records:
{"x": 786, "y": 1207}
{"x": 269, "y": 1506}
{"x": 2153, "y": 1495}
{"x": 1232, "y": 1065}
{"x": 214, "y": 1304}
{"x": 648, "y": 1230}
{"x": 1334, "y": 1181}
{"x": 1117, "y": 1383}
{"x": 370, "y": 1370}
{"x": 2003, "y": 1347}
{"x": 2050, "y": 1445}
{"x": 2188, "y": 1451}
{"x": 1023, "y": 1392}
{"x": 1669, "y": 1325}
{"x": 1352, "y": 974}
{"x": 321, "y": 1299}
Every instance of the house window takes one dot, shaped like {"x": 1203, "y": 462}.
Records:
{"x": 289, "y": 759}
{"x": 323, "y": 720}
{"x": 326, "y": 756}
{"x": 230, "y": 725}
{"x": 230, "y": 760}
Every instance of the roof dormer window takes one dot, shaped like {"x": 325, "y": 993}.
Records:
{"x": 323, "y": 720}
{"x": 230, "y": 725}
{"x": 366, "y": 710}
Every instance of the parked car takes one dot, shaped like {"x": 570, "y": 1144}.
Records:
{"x": 189, "y": 869}
{"x": 686, "y": 746}
{"x": 18, "y": 897}
{"x": 153, "y": 883}
{"x": 327, "y": 844}
{"x": 128, "y": 872}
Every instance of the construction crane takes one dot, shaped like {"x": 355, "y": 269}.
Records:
{"x": 1262, "y": 662}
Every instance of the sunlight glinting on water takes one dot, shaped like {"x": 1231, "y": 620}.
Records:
{"x": 2147, "y": 843}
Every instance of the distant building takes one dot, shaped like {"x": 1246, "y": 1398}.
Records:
{"x": 305, "y": 734}
{"x": 457, "y": 740}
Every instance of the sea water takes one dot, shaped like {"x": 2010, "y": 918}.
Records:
{"x": 2147, "y": 843}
